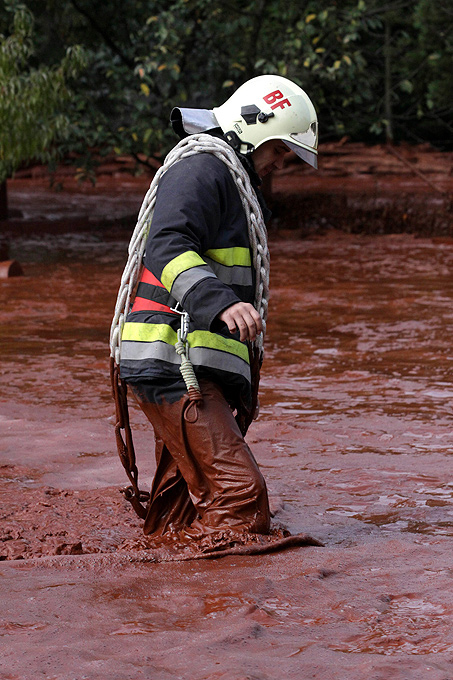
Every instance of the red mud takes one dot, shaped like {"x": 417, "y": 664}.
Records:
{"x": 354, "y": 439}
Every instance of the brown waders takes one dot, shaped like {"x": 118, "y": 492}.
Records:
{"x": 207, "y": 480}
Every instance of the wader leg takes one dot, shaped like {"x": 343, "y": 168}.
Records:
{"x": 205, "y": 466}
{"x": 170, "y": 506}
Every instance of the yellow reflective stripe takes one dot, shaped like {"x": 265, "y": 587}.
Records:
{"x": 214, "y": 341}
{"x": 149, "y": 332}
{"x": 180, "y": 264}
{"x": 153, "y": 332}
{"x": 230, "y": 256}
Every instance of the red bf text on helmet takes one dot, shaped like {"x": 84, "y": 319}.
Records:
{"x": 272, "y": 97}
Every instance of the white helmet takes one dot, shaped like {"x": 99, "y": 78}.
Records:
{"x": 270, "y": 107}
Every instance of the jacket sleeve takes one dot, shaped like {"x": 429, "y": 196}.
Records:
{"x": 192, "y": 204}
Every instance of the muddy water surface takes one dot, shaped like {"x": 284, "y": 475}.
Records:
{"x": 355, "y": 439}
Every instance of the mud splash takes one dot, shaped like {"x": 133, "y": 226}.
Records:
{"x": 354, "y": 438}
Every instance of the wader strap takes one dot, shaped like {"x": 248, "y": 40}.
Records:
{"x": 125, "y": 445}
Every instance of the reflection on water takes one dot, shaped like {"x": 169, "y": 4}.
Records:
{"x": 408, "y": 625}
{"x": 55, "y": 320}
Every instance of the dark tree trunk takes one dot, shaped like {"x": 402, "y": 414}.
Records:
{"x": 388, "y": 84}
{"x": 3, "y": 201}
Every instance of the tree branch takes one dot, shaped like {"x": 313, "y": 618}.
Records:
{"x": 105, "y": 35}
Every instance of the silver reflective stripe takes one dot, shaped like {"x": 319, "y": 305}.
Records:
{"x": 188, "y": 278}
{"x": 199, "y": 356}
{"x": 240, "y": 276}
{"x": 139, "y": 351}
{"x": 223, "y": 361}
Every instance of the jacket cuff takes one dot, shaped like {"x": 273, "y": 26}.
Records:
{"x": 206, "y": 300}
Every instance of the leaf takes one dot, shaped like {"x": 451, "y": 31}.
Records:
{"x": 145, "y": 89}
{"x": 309, "y": 18}
{"x": 407, "y": 86}
{"x": 350, "y": 37}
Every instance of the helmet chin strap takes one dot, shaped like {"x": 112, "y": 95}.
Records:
{"x": 236, "y": 143}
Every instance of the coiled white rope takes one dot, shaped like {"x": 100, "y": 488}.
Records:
{"x": 200, "y": 143}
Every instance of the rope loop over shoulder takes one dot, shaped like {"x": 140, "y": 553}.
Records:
{"x": 194, "y": 144}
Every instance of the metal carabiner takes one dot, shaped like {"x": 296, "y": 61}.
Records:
{"x": 184, "y": 326}
{"x": 184, "y": 321}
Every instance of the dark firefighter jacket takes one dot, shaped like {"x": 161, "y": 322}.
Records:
{"x": 197, "y": 253}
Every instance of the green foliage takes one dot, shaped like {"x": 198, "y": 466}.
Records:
{"x": 369, "y": 67}
{"x": 31, "y": 114}
{"x": 435, "y": 47}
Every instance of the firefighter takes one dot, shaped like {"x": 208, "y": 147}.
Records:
{"x": 198, "y": 261}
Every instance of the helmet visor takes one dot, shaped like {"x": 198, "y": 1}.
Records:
{"x": 309, "y": 157}
{"x": 309, "y": 137}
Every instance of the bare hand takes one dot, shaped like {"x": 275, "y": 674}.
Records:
{"x": 244, "y": 318}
